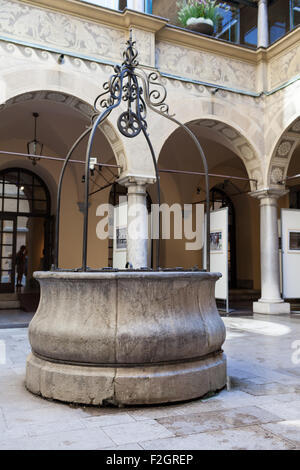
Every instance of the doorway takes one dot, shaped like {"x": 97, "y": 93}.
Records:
{"x": 25, "y": 222}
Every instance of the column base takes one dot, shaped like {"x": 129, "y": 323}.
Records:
{"x": 271, "y": 308}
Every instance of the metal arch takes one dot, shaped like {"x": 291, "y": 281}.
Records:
{"x": 158, "y": 195}
{"x": 124, "y": 86}
{"x": 164, "y": 112}
{"x": 59, "y": 191}
{"x": 97, "y": 122}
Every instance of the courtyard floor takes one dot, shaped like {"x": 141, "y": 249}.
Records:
{"x": 259, "y": 410}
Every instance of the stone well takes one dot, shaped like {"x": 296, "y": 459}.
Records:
{"x": 126, "y": 338}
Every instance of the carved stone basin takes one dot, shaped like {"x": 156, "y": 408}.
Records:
{"x": 126, "y": 338}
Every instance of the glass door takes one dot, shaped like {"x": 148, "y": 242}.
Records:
{"x": 7, "y": 252}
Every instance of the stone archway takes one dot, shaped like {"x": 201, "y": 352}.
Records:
{"x": 233, "y": 139}
{"x": 228, "y": 153}
{"x": 62, "y": 118}
{"x": 82, "y": 107}
{"x": 222, "y": 112}
{"x": 282, "y": 154}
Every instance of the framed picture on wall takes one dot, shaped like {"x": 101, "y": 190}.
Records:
{"x": 216, "y": 241}
{"x": 294, "y": 240}
{"x": 121, "y": 238}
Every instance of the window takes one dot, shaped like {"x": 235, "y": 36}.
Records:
{"x": 23, "y": 192}
{"x": 114, "y": 4}
{"x": 139, "y": 5}
{"x": 250, "y": 37}
{"x": 248, "y": 26}
{"x": 295, "y": 13}
{"x": 228, "y": 27}
{"x": 279, "y": 20}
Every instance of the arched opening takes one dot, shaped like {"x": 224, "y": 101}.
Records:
{"x": 293, "y": 184}
{"x": 25, "y": 222}
{"x": 284, "y": 177}
{"x": 287, "y": 154}
{"x": 283, "y": 162}
{"x": 229, "y": 154}
{"x": 284, "y": 167}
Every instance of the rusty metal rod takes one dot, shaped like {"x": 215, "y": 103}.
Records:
{"x": 58, "y": 159}
{"x": 289, "y": 178}
{"x": 183, "y": 172}
{"x": 101, "y": 188}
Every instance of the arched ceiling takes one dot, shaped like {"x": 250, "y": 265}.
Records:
{"x": 61, "y": 120}
{"x": 282, "y": 155}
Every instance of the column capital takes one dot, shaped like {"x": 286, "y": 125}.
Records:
{"x": 271, "y": 193}
{"x": 136, "y": 180}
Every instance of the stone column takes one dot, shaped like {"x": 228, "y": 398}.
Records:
{"x": 270, "y": 301}
{"x": 262, "y": 24}
{"x": 137, "y": 220}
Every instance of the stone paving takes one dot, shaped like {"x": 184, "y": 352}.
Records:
{"x": 259, "y": 410}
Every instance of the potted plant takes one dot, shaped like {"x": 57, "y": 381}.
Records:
{"x": 199, "y": 15}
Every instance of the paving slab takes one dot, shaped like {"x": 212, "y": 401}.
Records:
{"x": 286, "y": 429}
{"x": 68, "y": 440}
{"x": 285, "y": 410}
{"x": 214, "y": 421}
{"x": 245, "y": 438}
{"x": 109, "y": 419}
{"x": 136, "y": 432}
{"x": 259, "y": 410}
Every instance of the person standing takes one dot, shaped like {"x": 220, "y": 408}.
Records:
{"x": 21, "y": 264}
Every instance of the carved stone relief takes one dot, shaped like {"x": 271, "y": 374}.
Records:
{"x": 205, "y": 66}
{"x": 284, "y": 67}
{"x": 59, "y": 31}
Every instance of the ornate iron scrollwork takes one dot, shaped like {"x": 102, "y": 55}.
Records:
{"x": 131, "y": 87}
